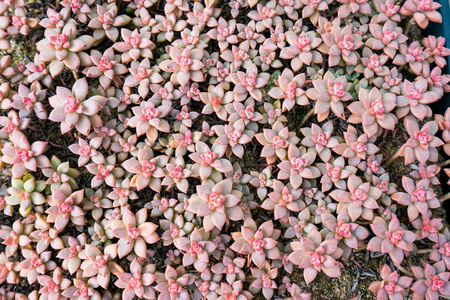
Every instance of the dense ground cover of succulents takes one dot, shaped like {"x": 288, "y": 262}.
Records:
{"x": 244, "y": 142}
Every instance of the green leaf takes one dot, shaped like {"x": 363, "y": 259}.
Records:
{"x": 27, "y": 177}
{"x": 13, "y": 200}
{"x": 37, "y": 198}
{"x": 55, "y": 162}
{"x": 40, "y": 185}
{"x": 23, "y": 212}
{"x": 29, "y": 185}
{"x": 17, "y": 183}
{"x": 63, "y": 168}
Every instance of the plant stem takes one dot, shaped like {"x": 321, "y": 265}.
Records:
{"x": 405, "y": 271}
{"x": 75, "y": 75}
{"x": 58, "y": 6}
{"x": 360, "y": 249}
{"x": 361, "y": 222}
{"x": 408, "y": 26}
{"x": 334, "y": 11}
{"x": 307, "y": 117}
{"x": 445, "y": 197}
{"x": 391, "y": 160}
{"x": 424, "y": 251}
{"x": 444, "y": 163}
{"x": 99, "y": 41}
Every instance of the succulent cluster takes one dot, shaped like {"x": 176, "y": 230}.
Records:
{"x": 222, "y": 148}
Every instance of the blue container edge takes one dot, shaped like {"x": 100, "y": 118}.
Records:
{"x": 442, "y": 29}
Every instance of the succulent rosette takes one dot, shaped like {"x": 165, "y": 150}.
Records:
{"x": 64, "y": 49}
{"x": 133, "y": 232}
{"x": 216, "y": 203}
{"x": 392, "y": 286}
{"x": 329, "y": 92}
{"x": 391, "y": 238}
{"x": 422, "y": 143}
{"x": 75, "y": 109}
{"x": 258, "y": 243}
{"x": 342, "y": 44}
{"x": 359, "y": 201}
{"x": 374, "y": 111}
{"x": 313, "y": 255}
{"x": 24, "y": 156}
{"x": 185, "y": 65}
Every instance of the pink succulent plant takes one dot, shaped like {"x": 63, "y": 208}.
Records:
{"x": 413, "y": 54}
{"x": 24, "y": 156}
{"x": 216, "y": 203}
{"x": 350, "y": 234}
{"x": 107, "y": 67}
{"x": 388, "y": 9}
{"x": 289, "y": 88}
{"x": 422, "y": 12}
{"x": 334, "y": 173}
{"x": 391, "y": 238}
{"x": 302, "y": 49}
{"x": 133, "y": 232}
{"x": 147, "y": 169}
{"x": 258, "y": 243}
{"x": 415, "y": 98}
{"x": 64, "y": 207}
{"x": 264, "y": 280}
{"x": 184, "y": 65}
{"x": 374, "y": 111}
{"x": 196, "y": 249}
{"x": 299, "y": 166}
{"x": 105, "y": 20}
{"x": 249, "y": 82}
{"x": 359, "y": 201}
{"x": 20, "y": 23}
{"x": 52, "y": 287}
{"x": 64, "y": 49}
{"x": 329, "y": 91}
{"x": 209, "y": 161}
{"x": 387, "y": 37}
{"x": 313, "y": 255}
{"x": 35, "y": 264}
{"x": 87, "y": 151}
{"x": 356, "y": 147}
{"x": 231, "y": 266}
{"x": 143, "y": 74}
{"x": 312, "y": 9}
{"x": 341, "y": 44}
{"x": 148, "y": 119}
{"x": 75, "y": 109}
{"x": 81, "y": 8}
{"x": 172, "y": 282}
{"x": 392, "y": 284}
{"x": 276, "y": 142}
{"x": 432, "y": 281}
{"x": 138, "y": 282}
{"x": 283, "y": 200}
{"x": 319, "y": 139}
{"x": 422, "y": 143}
{"x": 135, "y": 45}
{"x": 233, "y": 138}
{"x": 419, "y": 197}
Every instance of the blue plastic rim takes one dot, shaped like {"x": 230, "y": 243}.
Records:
{"x": 439, "y": 107}
{"x": 442, "y": 29}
